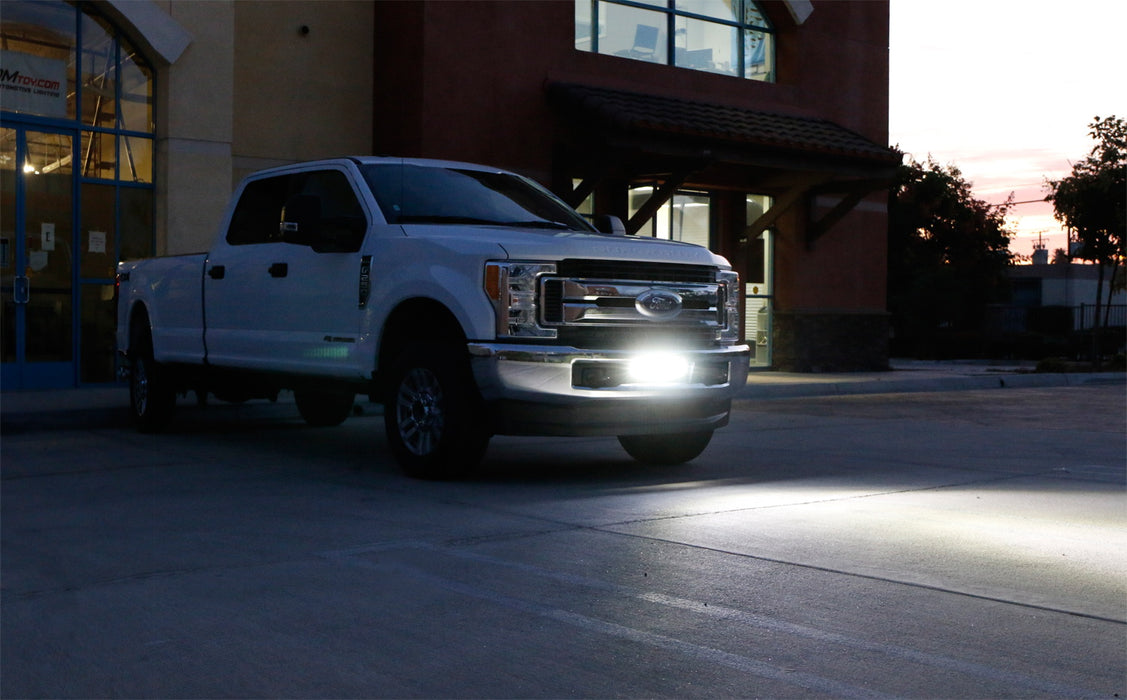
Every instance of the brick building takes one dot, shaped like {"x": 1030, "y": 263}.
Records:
{"x": 757, "y": 128}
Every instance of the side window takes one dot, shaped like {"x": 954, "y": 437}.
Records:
{"x": 342, "y": 217}
{"x": 259, "y": 211}
{"x": 261, "y": 208}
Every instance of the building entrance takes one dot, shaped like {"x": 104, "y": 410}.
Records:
{"x": 37, "y": 258}
{"x": 76, "y": 188}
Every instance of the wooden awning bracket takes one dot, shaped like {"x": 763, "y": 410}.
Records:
{"x": 589, "y": 184}
{"x": 793, "y": 195}
{"x": 660, "y": 196}
{"x": 854, "y": 192}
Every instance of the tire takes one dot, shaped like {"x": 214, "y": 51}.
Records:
{"x": 323, "y": 409}
{"x": 151, "y": 394}
{"x": 433, "y": 414}
{"x": 675, "y": 448}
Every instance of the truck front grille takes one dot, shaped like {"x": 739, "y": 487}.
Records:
{"x": 596, "y": 303}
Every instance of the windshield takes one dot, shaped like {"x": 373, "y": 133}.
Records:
{"x": 436, "y": 195}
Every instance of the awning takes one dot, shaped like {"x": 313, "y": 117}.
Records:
{"x": 723, "y": 126}
{"x": 619, "y": 134}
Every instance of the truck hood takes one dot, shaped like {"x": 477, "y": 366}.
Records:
{"x": 538, "y": 244}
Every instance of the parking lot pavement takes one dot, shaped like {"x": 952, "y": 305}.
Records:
{"x": 933, "y": 544}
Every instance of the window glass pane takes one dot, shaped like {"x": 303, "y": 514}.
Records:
{"x": 753, "y": 17}
{"x": 98, "y": 155}
{"x": 99, "y": 73}
{"x": 136, "y": 223}
{"x": 583, "y": 25}
{"x": 136, "y": 158}
{"x": 410, "y": 194}
{"x": 342, "y": 218}
{"x": 259, "y": 211}
{"x": 97, "y": 309}
{"x": 136, "y": 91}
{"x": 757, "y": 271}
{"x": 97, "y": 238}
{"x": 758, "y": 55}
{"x": 737, "y": 41}
{"x": 690, "y": 219}
{"x": 720, "y": 9}
{"x": 37, "y": 40}
{"x": 638, "y": 197}
{"x": 707, "y": 46}
{"x": 587, "y": 206}
{"x": 632, "y": 32}
{"x": 8, "y": 270}
{"x": 49, "y": 237}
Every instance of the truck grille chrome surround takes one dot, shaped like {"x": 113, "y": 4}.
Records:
{"x": 592, "y": 302}
{"x": 601, "y": 303}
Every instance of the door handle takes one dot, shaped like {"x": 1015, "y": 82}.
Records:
{"x": 217, "y": 272}
{"x": 21, "y": 290}
{"x": 279, "y": 270}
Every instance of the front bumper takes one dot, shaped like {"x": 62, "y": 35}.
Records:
{"x": 550, "y": 390}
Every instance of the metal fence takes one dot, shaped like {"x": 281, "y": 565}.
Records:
{"x": 1084, "y": 316}
{"x": 1053, "y": 320}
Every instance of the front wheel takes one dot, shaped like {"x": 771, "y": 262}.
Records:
{"x": 674, "y": 448}
{"x": 433, "y": 415}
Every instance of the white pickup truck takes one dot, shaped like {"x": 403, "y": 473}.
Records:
{"x": 467, "y": 300}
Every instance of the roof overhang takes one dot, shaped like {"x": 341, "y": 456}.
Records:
{"x": 658, "y": 128}
{"x": 634, "y": 136}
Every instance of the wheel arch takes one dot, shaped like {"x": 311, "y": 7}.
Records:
{"x": 138, "y": 318}
{"x": 413, "y": 320}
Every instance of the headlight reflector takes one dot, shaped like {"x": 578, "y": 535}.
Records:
{"x": 513, "y": 287}
{"x": 730, "y": 332}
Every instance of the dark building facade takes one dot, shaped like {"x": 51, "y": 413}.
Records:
{"x": 756, "y": 128}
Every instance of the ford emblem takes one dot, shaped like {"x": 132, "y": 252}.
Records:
{"x": 658, "y": 304}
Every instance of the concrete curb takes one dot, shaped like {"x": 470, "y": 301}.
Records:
{"x": 898, "y": 383}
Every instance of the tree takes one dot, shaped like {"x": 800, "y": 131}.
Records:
{"x": 1092, "y": 202}
{"x": 948, "y": 254}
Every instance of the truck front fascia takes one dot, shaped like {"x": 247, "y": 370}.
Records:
{"x": 553, "y": 390}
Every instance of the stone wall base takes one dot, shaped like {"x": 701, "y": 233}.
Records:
{"x": 830, "y": 342}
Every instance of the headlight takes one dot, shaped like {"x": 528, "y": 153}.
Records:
{"x": 513, "y": 287}
{"x": 730, "y": 332}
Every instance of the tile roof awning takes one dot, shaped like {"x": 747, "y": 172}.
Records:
{"x": 721, "y": 132}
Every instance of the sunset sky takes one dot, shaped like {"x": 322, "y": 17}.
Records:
{"x": 1005, "y": 90}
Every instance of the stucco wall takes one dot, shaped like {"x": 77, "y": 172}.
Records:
{"x": 194, "y": 106}
{"x": 241, "y": 87}
{"x": 302, "y": 82}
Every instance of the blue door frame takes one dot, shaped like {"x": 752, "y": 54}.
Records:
{"x": 39, "y": 265}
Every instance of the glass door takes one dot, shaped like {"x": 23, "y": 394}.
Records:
{"x": 759, "y": 284}
{"x": 37, "y": 273}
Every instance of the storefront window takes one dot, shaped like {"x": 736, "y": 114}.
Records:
{"x": 686, "y": 217}
{"x": 758, "y": 284}
{"x": 136, "y": 91}
{"x": 98, "y": 154}
{"x": 731, "y": 37}
{"x": 76, "y": 102}
{"x": 38, "y": 56}
{"x": 99, "y": 74}
{"x": 136, "y": 158}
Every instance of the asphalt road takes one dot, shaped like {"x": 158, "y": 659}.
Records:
{"x": 961, "y": 544}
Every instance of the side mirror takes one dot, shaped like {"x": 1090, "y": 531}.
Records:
{"x": 301, "y": 219}
{"x": 609, "y": 224}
